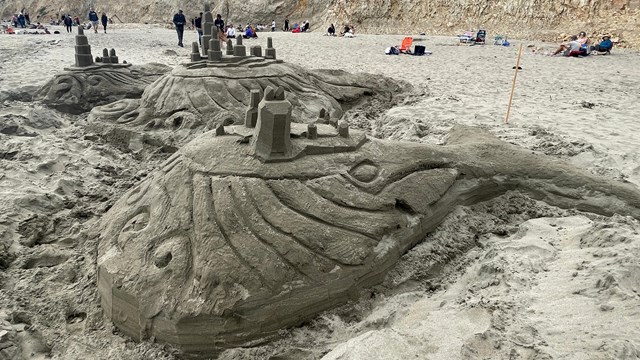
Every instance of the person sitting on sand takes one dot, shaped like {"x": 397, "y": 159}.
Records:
{"x": 231, "y": 32}
{"x": 250, "y": 33}
{"x": 345, "y": 30}
{"x": 295, "y": 28}
{"x": 331, "y": 31}
{"x": 604, "y": 46}
{"x": 305, "y": 26}
{"x": 571, "y": 48}
{"x": 583, "y": 39}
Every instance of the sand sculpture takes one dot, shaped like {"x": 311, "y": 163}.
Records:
{"x": 91, "y": 83}
{"x": 247, "y": 230}
{"x": 214, "y": 88}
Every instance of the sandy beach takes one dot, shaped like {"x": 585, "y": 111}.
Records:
{"x": 509, "y": 278}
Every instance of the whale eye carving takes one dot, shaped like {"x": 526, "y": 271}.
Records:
{"x": 365, "y": 171}
{"x": 162, "y": 256}
{"x": 137, "y": 223}
{"x": 133, "y": 226}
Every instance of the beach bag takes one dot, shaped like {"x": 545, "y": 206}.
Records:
{"x": 419, "y": 50}
{"x": 392, "y": 51}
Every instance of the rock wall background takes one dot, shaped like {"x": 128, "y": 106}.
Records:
{"x": 533, "y": 19}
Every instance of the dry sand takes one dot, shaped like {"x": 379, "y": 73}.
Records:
{"x": 511, "y": 278}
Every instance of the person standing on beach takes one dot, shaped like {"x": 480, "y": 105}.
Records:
{"x": 22, "y": 20}
{"x": 197, "y": 23}
{"x": 104, "y": 19}
{"x": 179, "y": 20}
{"x": 273, "y": 25}
{"x": 93, "y": 17}
{"x": 68, "y": 22}
{"x": 286, "y": 24}
{"x": 219, "y": 23}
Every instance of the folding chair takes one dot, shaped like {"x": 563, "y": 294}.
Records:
{"x": 406, "y": 45}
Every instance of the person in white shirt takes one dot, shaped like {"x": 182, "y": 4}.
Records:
{"x": 231, "y": 32}
{"x": 273, "y": 25}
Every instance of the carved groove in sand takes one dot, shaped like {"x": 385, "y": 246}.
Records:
{"x": 245, "y": 230}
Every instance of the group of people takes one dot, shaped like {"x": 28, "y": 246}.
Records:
{"x": 580, "y": 45}
{"x": 21, "y": 19}
{"x": 347, "y": 31}
{"x": 95, "y": 21}
{"x": 298, "y": 28}
{"x": 228, "y": 31}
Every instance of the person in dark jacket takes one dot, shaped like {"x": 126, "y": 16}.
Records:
{"x": 286, "y": 25}
{"x": 93, "y": 17}
{"x": 68, "y": 22}
{"x": 104, "y": 19}
{"x": 219, "y": 23}
{"x": 179, "y": 20}
{"x": 604, "y": 46}
{"x": 197, "y": 23}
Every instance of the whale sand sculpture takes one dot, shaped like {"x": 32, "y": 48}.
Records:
{"x": 252, "y": 230}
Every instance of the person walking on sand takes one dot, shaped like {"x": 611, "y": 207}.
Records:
{"x": 179, "y": 20}
{"x": 104, "y": 19}
{"x": 93, "y": 17}
{"x": 273, "y": 25}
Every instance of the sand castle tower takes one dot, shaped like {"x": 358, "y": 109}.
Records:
{"x": 195, "y": 51}
{"x": 239, "y": 49}
{"x": 229, "y": 47}
{"x": 106, "y": 59}
{"x": 207, "y": 27}
{"x": 256, "y": 50}
{"x": 83, "y": 49}
{"x": 251, "y": 116}
{"x": 270, "y": 52}
{"x": 113, "y": 58}
{"x": 214, "y": 53}
{"x": 272, "y": 137}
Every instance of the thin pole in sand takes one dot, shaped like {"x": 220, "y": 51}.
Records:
{"x": 513, "y": 86}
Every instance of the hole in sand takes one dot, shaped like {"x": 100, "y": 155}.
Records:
{"x": 76, "y": 317}
{"x": 162, "y": 260}
{"x": 402, "y": 205}
{"x": 177, "y": 122}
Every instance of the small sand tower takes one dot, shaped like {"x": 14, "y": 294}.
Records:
{"x": 272, "y": 137}
{"x": 83, "y": 49}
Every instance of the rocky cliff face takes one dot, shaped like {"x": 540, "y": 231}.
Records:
{"x": 535, "y": 19}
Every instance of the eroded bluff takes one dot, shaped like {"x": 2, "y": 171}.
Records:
{"x": 245, "y": 231}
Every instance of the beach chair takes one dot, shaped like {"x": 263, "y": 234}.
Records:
{"x": 406, "y": 45}
{"x": 481, "y": 37}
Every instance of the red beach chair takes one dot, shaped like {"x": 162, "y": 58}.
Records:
{"x": 406, "y": 45}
